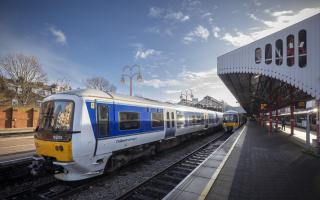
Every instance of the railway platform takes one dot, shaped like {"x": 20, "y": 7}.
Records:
{"x": 16, "y": 148}
{"x": 254, "y": 166}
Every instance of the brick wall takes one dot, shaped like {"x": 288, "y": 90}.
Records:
{"x": 18, "y": 117}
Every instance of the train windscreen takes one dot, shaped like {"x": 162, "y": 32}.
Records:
{"x": 230, "y": 118}
{"x": 56, "y": 116}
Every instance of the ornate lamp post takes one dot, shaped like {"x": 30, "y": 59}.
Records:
{"x": 185, "y": 94}
{"x": 131, "y": 71}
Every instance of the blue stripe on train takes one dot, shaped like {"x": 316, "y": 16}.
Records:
{"x": 114, "y": 130}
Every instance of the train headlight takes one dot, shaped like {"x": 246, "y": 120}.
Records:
{"x": 61, "y": 148}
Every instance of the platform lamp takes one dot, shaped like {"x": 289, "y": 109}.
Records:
{"x": 131, "y": 71}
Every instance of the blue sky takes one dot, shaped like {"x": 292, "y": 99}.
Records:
{"x": 175, "y": 42}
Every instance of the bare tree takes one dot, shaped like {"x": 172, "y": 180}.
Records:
{"x": 24, "y": 73}
{"x": 100, "y": 83}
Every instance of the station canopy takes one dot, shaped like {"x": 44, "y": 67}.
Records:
{"x": 276, "y": 71}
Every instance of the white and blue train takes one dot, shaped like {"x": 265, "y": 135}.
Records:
{"x": 83, "y": 133}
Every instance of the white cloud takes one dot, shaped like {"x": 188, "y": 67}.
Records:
{"x": 199, "y": 32}
{"x": 282, "y": 20}
{"x": 59, "y": 35}
{"x": 257, "y": 3}
{"x": 170, "y": 15}
{"x": 155, "y": 12}
{"x": 194, "y": 76}
{"x": 281, "y": 13}
{"x": 172, "y": 91}
{"x": 178, "y": 16}
{"x": 157, "y": 83}
{"x": 156, "y": 30}
{"x": 144, "y": 53}
{"x": 215, "y": 31}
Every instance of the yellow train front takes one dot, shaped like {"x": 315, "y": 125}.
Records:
{"x": 231, "y": 120}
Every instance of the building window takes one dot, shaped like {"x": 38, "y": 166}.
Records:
{"x": 279, "y": 52}
{"x": 258, "y": 55}
{"x": 168, "y": 120}
{"x": 302, "y": 48}
{"x": 129, "y": 120}
{"x": 290, "y": 50}
{"x": 157, "y": 119}
{"x": 103, "y": 120}
{"x": 268, "y": 54}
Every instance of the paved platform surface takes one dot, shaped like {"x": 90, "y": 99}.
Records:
{"x": 267, "y": 167}
{"x": 4, "y": 132}
{"x": 16, "y": 144}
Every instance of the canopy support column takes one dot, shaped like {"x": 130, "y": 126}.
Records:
{"x": 270, "y": 121}
{"x": 318, "y": 124}
{"x": 277, "y": 118}
{"x": 292, "y": 118}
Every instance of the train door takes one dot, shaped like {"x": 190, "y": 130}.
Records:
{"x": 104, "y": 118}
{"x": 206, "y": 120}
{"x": 170, "y": 123}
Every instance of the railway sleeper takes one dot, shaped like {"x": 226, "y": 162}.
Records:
{"x": 151, "y": 193}
{"x": 183, "y": 165}
{"x": 172, "y": 178}
{"x": 192, "y": 162}
{"x": 140, "y": 196}
{"x": 190, "y": 165}
{"x": 161, "y": 182}
{"x": 159, "y": 190}
{"x": 195, "y": 160}
{"x": 180, "y": 173}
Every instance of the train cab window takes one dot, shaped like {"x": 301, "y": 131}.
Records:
{"x": 268, "y": 54}
{"x": 290, "y": 50}
{"x": 172, "y": 119}
{"x": 157, "y": 119}
{"x": 103, "y": 120}
{"x": 279, "y": 52}
{"x": 168, "y": 120}
{"x": 302, "y": 48}
{"x": 258, "y": 55}
{"x": 129, "y": 120}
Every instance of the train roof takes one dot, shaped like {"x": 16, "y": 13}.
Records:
{"x": 230, "y": 112}
{"x": 121, "y": 97}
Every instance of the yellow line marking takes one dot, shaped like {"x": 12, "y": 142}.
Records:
{"x": 206, "y": 190}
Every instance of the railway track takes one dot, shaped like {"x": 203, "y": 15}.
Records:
{"x": 12, "y": 170}
{"x": 162, "y": 182}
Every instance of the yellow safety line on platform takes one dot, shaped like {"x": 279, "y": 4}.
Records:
{"x": 206, "y": 190}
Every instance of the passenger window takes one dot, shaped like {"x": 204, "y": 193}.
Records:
{"x": 258, "y": 55}
{"x": 103, "y": 120}
{"x": 172, "y": 119}
{"x": 279, "y": 52}
{"x": 302, "y": 48}
{"x": 290, "y": 50}
{"x": 157, "y": 119}
{"x": 180, "y": 120}
{"x": 168, "y": 120}
{"x": 129, "y": 120}
{"x": 268, "y": 54}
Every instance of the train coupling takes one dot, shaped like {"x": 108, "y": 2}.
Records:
{"x": 41, "y": 165}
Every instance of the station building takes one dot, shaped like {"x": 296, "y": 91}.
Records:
{"x": 277, "y": 71}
